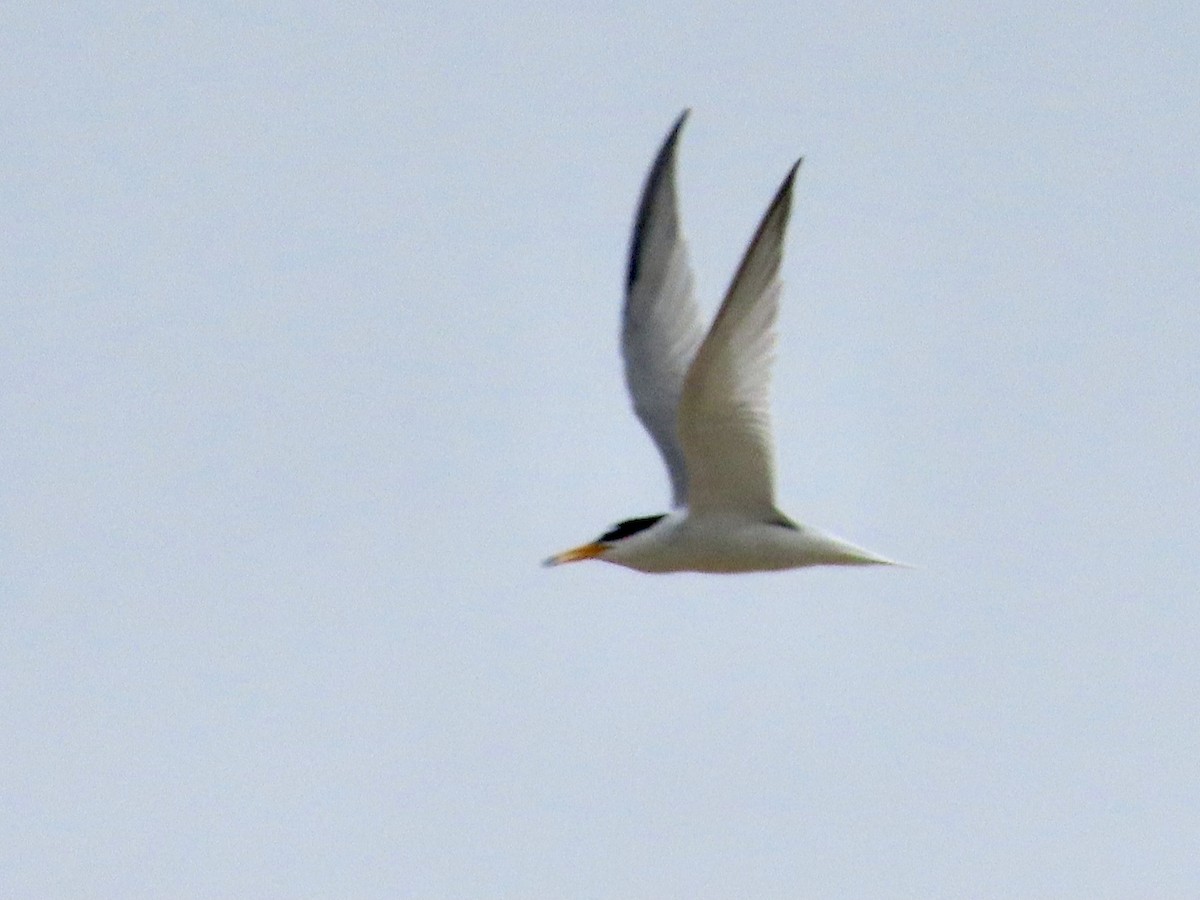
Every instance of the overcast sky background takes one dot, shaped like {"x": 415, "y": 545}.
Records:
{"x": 309, "y": 356}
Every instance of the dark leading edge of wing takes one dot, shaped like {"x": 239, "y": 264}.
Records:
{"x": 649, "y": 192}
{"x": 760, "y": 265}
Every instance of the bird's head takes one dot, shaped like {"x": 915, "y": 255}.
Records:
{"x": 608, "y": 541}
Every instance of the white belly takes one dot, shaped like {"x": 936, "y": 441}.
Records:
{"x": 729, "y": 544}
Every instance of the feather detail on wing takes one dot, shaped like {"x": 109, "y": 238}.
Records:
{"x": 724, "y": 414}
{"x": 661, "y": 325}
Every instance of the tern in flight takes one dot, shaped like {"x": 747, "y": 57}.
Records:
{"x": 704, "y": 400}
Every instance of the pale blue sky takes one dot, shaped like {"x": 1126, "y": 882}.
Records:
{"x": 310, "y": 355}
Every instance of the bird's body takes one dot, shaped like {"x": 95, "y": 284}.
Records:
{"x": 682, "y": 541}
{"x": 703, "y": 399}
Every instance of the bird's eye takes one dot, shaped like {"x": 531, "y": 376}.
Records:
{"x": 622, "y": 530}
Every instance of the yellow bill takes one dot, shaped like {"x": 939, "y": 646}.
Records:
{"x": 587, "y": 551}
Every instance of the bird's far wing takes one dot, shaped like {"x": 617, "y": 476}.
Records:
{"x": 724, "y": 415}
{"x": 661, "y": 326}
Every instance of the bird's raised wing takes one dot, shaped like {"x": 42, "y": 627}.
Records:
{"x": 661, "y": 325}
{"x": 724, "y": 416}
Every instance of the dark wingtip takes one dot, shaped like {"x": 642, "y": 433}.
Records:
{"x": 774, "y": 221}
{"x": 791, "y": 176}
{"x": 662, "y": 163}
{"x": 783, "y": 197}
